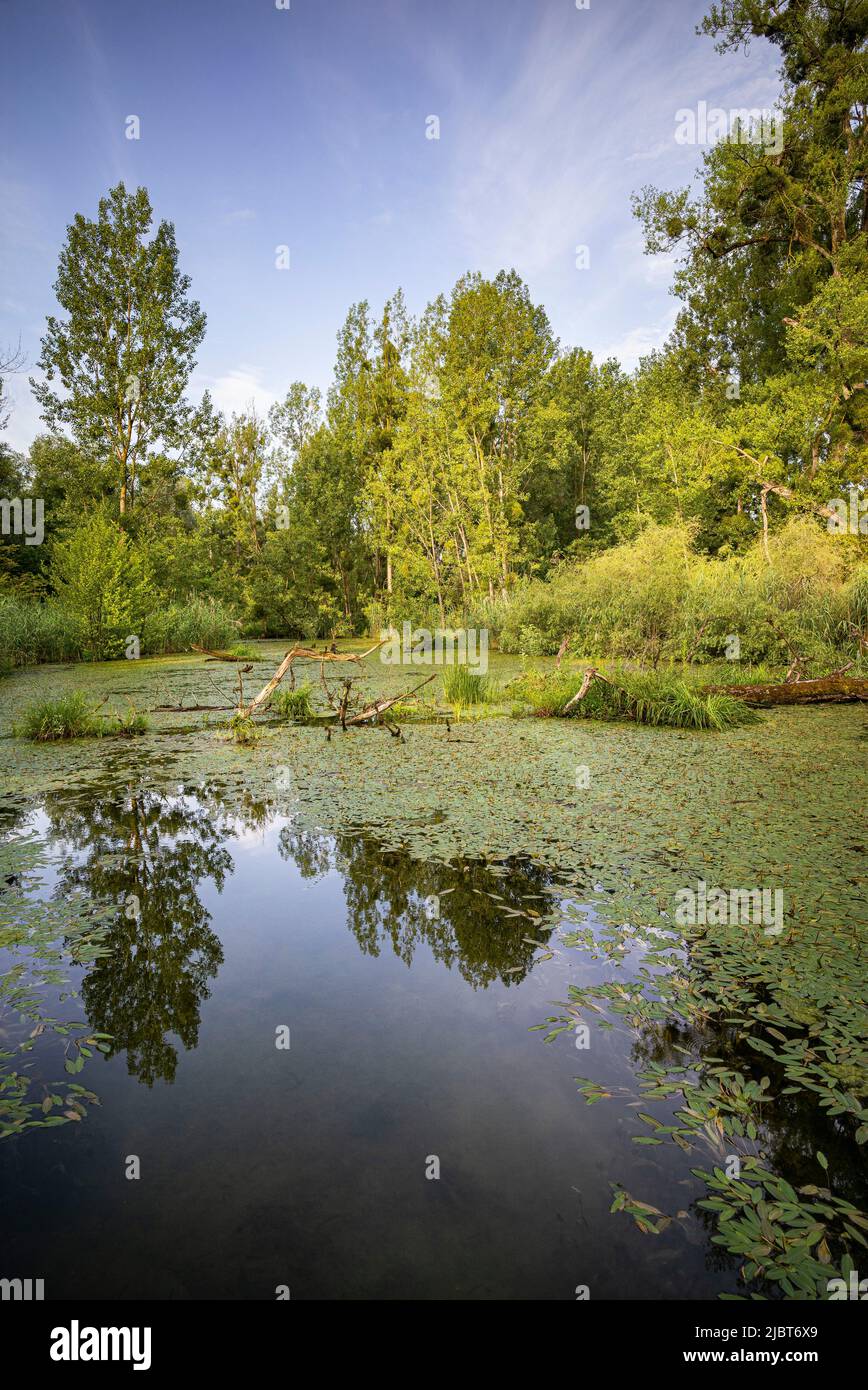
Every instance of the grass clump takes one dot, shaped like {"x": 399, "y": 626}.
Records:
{"x": 292, "y": 704}
{"x": 64, "y": 716}
{"x": 462, "y": 686}
{"x": 243, "y": 730}
{"x": 245, "y": 651}
{"x": 658, "y": 699}
{"x": 128, "y": 724}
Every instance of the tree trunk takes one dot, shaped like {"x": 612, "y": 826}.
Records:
{"x": 825, "y": 690}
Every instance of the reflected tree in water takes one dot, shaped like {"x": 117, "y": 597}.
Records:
{"x": 150, "y": 854}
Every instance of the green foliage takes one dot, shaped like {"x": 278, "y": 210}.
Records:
{"x": 125, "y": 351}
{"x": 656, "y": 598}
{"x": 466, "y": 466}
{"x": 243, "y": 730}
{"x": 461, "y": 686}
{"x": 128, "y": 724}
{"x": 32, "y": 631}
{"x": 656, "y": 698}
{"x": 292, "y": 704}
{"x": 103, "y": 587}
{"x": 61, "y": 717}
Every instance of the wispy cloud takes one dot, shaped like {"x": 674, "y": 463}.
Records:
{"x": 638, "y": 342}
{"x": 236, "y": 390}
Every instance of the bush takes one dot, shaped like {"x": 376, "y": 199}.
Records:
{"x": 102, "y": 586}
{"x": 655, "y": 598}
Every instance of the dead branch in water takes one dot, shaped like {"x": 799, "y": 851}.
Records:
{"x": 305, "y": 654}
{"x": 379, "y": 707}
{"x": 590, "y": 676}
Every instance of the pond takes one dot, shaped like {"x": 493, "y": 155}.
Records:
{"x": 276, "y": 1016}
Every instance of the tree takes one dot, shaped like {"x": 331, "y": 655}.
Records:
{"x": 103, "y": 586}
{"x": 775, "y": 258}
{"x": 125, "y": 351}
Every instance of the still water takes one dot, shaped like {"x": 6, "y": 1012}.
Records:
{"x": 409, "y": 913}
{"x": 409, "y": 993}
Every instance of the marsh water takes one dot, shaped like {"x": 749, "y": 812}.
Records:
{"x": 319, "y": 970}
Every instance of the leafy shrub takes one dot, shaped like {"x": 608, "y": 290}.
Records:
{"x": 654, "y": 599}
{"x": 102, "y": 586}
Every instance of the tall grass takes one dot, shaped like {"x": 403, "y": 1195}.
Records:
{"x": 70, "y": 716}
{"x": 292, "y": 704}
{"x": 461, "y": 686}
{"x": 34, "y": 631}
{"x": 64, "y": 716}
{"x": 655, "y": 698}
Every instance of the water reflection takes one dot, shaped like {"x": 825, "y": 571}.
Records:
{"x": 150, "y": 854}
{"x": 153, "y": 854}
{"x": 161, "y": 860}
{"x": 462, "y": 912}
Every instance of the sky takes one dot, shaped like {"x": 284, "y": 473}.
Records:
{"x": 309, "y": 127}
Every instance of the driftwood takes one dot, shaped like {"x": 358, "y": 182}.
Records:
{"x": 305, "y": 654}
{"x": 186, "y": 709}
{"x": 379, "y": 707}
{"x": 824, "y": 690}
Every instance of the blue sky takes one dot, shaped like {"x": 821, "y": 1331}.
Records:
{"x": 306, "y": 127}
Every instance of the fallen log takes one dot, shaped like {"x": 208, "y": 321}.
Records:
{"x": 186, "y": 709}
{"x": 823, "y": 690}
